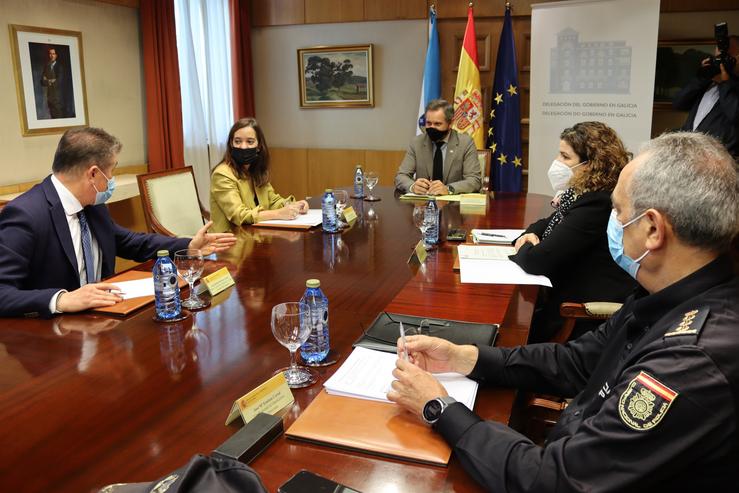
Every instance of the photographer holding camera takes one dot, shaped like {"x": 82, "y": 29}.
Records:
{"x": 712, "y": 97}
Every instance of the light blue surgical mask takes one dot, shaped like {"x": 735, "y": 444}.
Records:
{"x": 102, "y": 197}
{"x": 615, "y": 233}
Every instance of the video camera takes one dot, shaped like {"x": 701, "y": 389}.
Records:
{"x": 721, "y": 32}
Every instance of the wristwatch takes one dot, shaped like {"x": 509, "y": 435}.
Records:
{"x": 433, "y": 408}
{"x": 451, "y": 189}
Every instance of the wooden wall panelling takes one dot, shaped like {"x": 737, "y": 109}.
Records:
{"x": 289, "y": 171}
{"x": 697, "y": 5}
{"x": 278, "y": 12}
{"x": 385, "y": 163}
{"x": 320, "y": 11}
{"x": 380, "y": 10}
{"x": 331, "y": 168}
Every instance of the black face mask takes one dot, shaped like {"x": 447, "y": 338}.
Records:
{"x": 435, "y": 134}
{"x": 242, "y": 157}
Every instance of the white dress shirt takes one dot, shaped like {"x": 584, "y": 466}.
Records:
{"x": 708, "y": 101}
{"x": 71, "y": 207}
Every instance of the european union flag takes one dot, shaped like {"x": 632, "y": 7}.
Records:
{"x": 504, "y": 131}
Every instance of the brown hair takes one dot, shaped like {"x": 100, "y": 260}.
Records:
{"x": 598, "y": 144}
{"x": 83, "y": 147}
{"x": 259, "y": 171}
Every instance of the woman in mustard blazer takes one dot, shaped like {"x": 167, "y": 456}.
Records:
{"x": 240, "y": 192}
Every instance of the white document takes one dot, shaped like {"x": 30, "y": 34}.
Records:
{"x": 312, "y": 218}
{"x": 499, "y": 236}
{"x": 368, "y": 374}
{"x": 485, "y": 252}
{"x": 476, "y": 271}
{"x": 136, "y": 289}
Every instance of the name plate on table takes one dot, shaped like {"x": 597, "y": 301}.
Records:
{"x": 269, "y": 397}
{"x": 419, "y": 254}
{"x": 349, "y": 214}
{"x": 217, "y": 281}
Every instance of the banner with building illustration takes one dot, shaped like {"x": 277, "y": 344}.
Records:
{"x": 591, "y": 60}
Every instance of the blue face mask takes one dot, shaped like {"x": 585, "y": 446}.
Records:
{"x": 615, "y": 232}
{"x": 102, "y": 197}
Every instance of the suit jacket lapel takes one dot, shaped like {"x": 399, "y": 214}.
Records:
{"x": 451, "y": 153}
{"x": 106, "y": 243}
{"x": 59, "y": 220}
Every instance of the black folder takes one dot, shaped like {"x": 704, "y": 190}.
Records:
{"x": 383, "y": 334}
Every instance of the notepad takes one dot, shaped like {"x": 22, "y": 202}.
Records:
{"x": 485, "y": 252}
{"x": 367, "y": 374}
{"x": 137, "y": 288}
{"x": 484, "y": 271}
{"x": 312, "y": 218}
{"x": 496, "y": 236}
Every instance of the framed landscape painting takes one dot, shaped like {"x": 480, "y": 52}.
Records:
{"x": 677, "y": 64}
{"x": 336, "y": 77}
{"x": 49, "y": 79}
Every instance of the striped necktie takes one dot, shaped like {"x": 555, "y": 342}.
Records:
{"x": 86, "y": 247}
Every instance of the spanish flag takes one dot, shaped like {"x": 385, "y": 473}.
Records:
{"x": 467, "y": 95}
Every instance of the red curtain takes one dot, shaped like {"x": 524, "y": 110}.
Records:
{"x": 162, "y": 76}
{"x": 241, "y": 62}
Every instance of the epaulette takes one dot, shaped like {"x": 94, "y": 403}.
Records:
{"x": 691, "y": 324}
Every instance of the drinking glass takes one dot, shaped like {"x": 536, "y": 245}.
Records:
{"x": 190, "y": 265}
{"x": 485, "y": 184}
{"x": 371, "y": 179}
{"x": 342, "y": 197}
{"x": 419, "y": 220}
{"x": 291, "y": 326}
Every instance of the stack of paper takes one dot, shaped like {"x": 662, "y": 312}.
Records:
{"x": 496, "y": 236}
{"x": 312, "y": 218}
{"x": 480, "y": 264}
{"x": 367, "y": 374}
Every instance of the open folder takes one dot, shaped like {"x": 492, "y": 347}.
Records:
{"x": 131, "y": 304}
{"x": 352, "y": 412}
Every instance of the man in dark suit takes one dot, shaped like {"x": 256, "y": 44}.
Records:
{"x": 51, "y": 79}
{"x": 58, "y": 240}
{"x": 713, "y": 102}
{"x": 440, "y": 161}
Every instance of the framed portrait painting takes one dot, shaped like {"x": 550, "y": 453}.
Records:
{"x": 49, "y": 79}
{"x": 336, "y": 77}
{"x": 677, "y": 64}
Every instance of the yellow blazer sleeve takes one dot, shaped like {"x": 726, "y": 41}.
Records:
{"x": 274, "y": 199}
{"x": 227, "y": 192}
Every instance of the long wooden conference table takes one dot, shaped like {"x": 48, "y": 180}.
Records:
{"x": 87, "y": 400}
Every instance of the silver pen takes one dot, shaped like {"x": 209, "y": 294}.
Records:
{"x": 402, "y": 338}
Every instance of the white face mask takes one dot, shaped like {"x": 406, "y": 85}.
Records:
{"x": 560, "y": 174}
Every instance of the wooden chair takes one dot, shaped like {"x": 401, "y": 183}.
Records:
{"x": 542, "y": 411}
{"x": 171, "y": 203}
{"x": 485, "y": 157}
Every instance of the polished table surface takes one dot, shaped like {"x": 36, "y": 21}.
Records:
{"x": 87, "y": 401}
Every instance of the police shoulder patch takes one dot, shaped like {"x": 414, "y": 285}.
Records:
{"x": 645, "y": 402}
{"x": 691, "y": 323}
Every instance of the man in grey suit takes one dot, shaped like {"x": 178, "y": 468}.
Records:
{"x": 440, "y": 161}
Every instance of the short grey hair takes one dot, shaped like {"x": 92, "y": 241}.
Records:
{"x": 441, "y": 104}
{"x": 692, "y": 179}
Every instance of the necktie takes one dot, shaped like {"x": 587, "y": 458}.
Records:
{"x": 438, "y": 163}
{"x": 86, "y": 247}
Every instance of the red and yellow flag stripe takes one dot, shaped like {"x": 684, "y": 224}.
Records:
{"x": 468, "y": 112}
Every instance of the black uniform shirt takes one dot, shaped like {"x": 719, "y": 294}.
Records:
{"x": 657, "y": 393}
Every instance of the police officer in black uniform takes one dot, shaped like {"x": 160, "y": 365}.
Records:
{"x": 655, "y": 388}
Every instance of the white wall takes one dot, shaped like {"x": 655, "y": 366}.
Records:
{"x": 113, "y": 76}
{"x": 399, "y": 53}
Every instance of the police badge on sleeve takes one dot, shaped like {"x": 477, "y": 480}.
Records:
{"x": 645, "y": 402}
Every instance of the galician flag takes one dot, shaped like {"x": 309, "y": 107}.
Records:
{"x": 468, "y": 112}
{"x": 431, "y": 85}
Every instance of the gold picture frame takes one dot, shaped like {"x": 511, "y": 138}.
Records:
{"x": 49, "y": 79}
{"x": 336, "y": 77}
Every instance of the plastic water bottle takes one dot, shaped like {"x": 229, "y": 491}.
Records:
{"x": 358, "y": 182}
{"x": 316, "y": 347}
{"x": 431, "y": 218}
{"x": 328, "y": 207}
{"x": 166, "y": 289}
